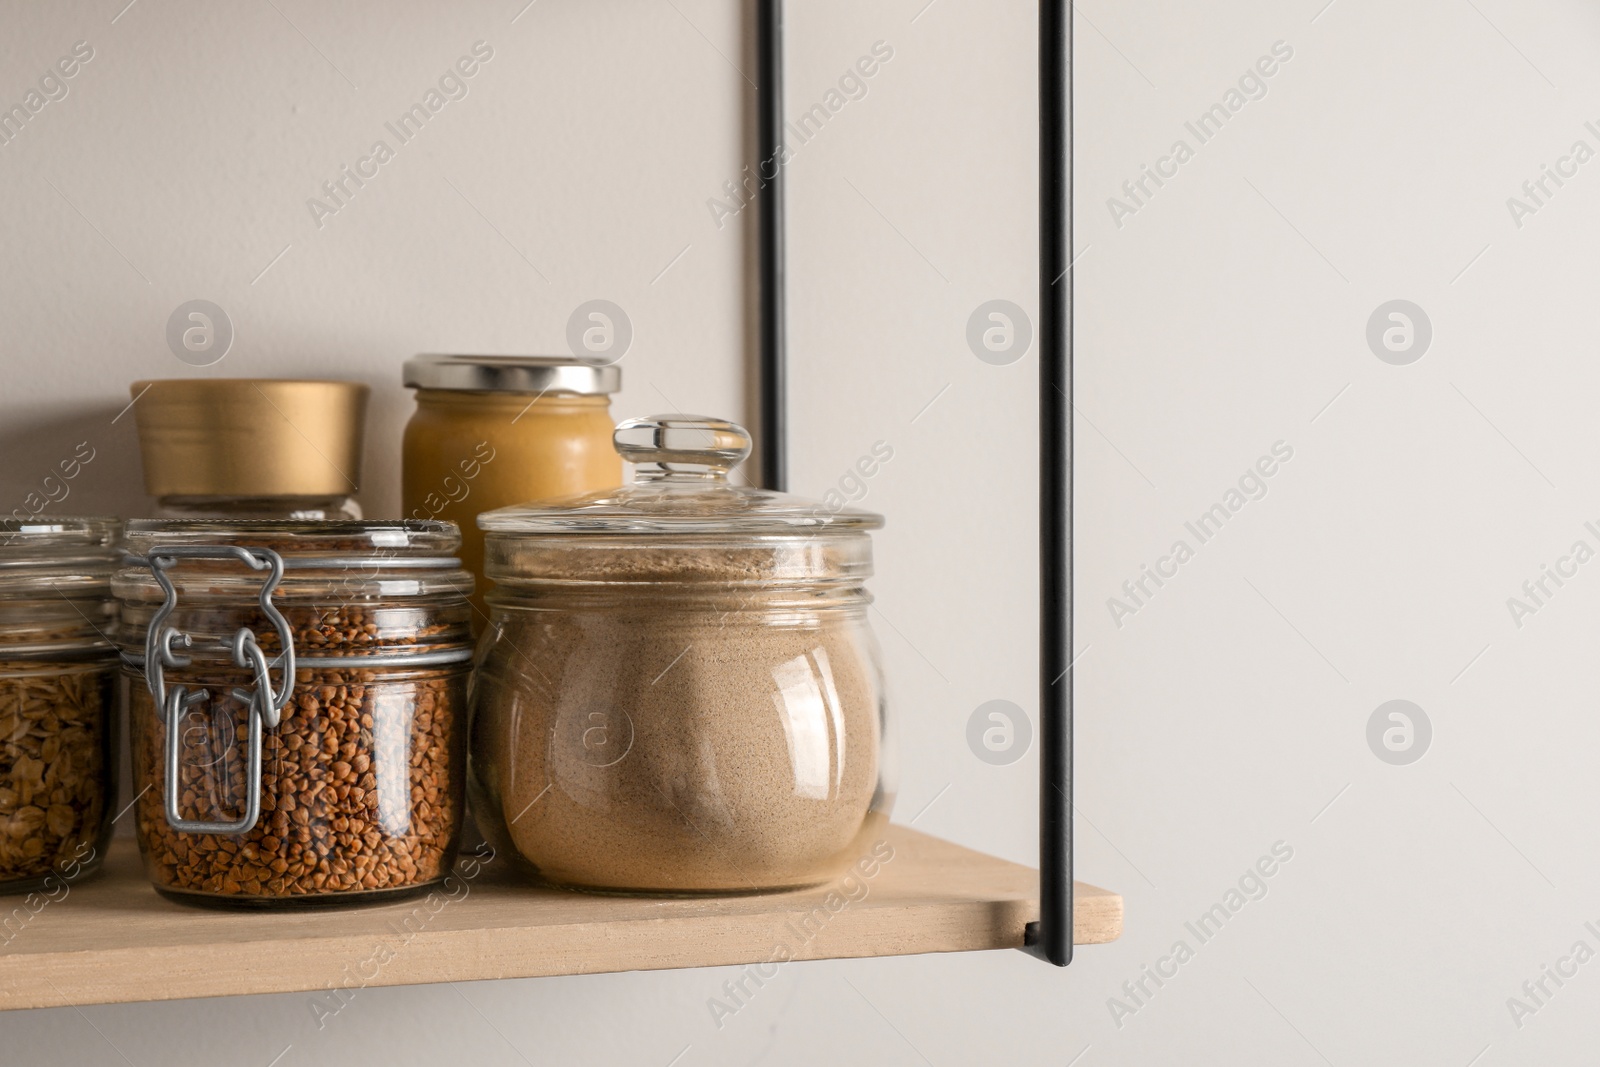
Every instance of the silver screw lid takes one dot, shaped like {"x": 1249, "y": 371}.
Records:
{"x": 512, "y": 374}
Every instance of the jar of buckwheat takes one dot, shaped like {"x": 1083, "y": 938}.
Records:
{"x": 296, "y": 701}
{"x": 58, "y": 743}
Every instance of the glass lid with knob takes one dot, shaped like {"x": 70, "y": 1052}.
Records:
{"x": 681, "y": 485}
{"x": 682, "y": 519}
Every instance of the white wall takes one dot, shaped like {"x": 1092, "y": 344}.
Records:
{"x": 1223, "y": 316}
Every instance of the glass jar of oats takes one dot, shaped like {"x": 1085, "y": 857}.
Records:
{"x": 296, "y": 696}
{"x": 679, "y": 691}
{"x": 58, "y": 743}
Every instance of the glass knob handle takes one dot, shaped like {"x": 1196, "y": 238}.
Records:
{"x": 682, "y": 446}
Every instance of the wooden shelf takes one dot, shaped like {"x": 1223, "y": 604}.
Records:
{"x": 112, "y": 939}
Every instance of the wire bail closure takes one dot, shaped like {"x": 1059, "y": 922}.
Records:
{"x": 265, "y": 702}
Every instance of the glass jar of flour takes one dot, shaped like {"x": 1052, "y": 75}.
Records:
{"x": 679, "y": 691}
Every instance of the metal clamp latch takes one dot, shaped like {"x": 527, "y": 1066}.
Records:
{"x": 265, "y": 702}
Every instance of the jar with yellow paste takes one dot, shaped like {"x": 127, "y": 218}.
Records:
{"x": 493, "y": 431}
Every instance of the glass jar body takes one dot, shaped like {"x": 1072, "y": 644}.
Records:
{"x": 58, "y": 729}
{"x": 58, "y": 768}
{"x": 468, "y": 452}
{"x": 362, "y": 787}
{"x": 662, "y": 741}
{"x": 341, "y": 782}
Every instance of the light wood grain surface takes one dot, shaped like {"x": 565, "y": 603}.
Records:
{"x": 112, "y": 939}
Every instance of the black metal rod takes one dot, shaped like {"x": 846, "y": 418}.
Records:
{"x": 774, "y": 387}
{"x": 1053, "y": 939}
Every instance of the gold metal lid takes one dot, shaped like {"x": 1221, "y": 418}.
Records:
{"x": 250, "y": 437}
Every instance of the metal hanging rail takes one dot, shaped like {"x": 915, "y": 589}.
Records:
{"x": 1051, "y": 937}
{"x": 769, "y": 135}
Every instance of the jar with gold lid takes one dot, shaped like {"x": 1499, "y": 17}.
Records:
{"x": 241, "y": 448}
